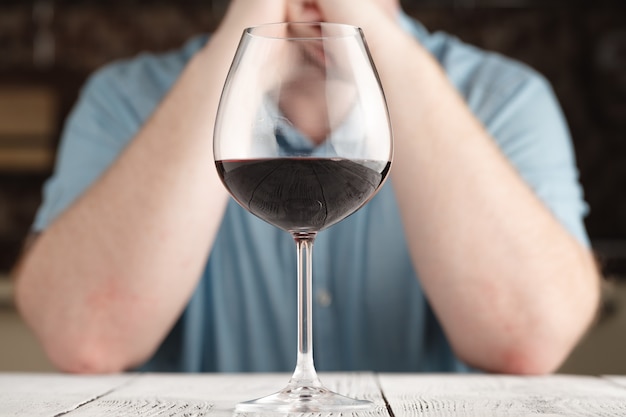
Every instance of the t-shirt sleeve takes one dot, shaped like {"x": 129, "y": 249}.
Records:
{"x": 113, "y": 104}
{"x": 96, "y": 131}
{"x": 519, "y": 109}
{"x": 525, "y": 118}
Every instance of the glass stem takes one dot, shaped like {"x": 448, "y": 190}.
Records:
{"x": 304, "y": 374}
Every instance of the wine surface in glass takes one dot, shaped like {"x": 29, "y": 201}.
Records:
{"x": 302, "y": 195}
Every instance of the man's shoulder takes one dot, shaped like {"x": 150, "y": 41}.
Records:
{"x": 471, "y": 68}
{"x": 145, "y": 77}
{"x": 487, "y": 80}
{"x": 477, "y": 71}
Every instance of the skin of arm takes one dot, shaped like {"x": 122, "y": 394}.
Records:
{"x": 104, "y": 283}
{"x": 513, "y": 289}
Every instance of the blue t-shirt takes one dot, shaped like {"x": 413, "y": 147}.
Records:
{"x": 370, "y": 312}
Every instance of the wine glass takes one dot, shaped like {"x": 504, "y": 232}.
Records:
{"x": 302, "y": 140}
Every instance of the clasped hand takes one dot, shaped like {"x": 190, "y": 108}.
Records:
{"x": 245, "y": 13}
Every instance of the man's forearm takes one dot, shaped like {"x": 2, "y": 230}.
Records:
{"x": 513, "y": 289}
{"x": 104, "y": 283}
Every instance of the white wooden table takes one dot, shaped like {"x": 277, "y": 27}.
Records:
{"x": 395, "y": 395}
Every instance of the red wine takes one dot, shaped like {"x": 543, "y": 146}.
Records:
{"x": 302, "y": 194}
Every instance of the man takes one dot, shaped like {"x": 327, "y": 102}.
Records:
{"x": 473, "y": 254}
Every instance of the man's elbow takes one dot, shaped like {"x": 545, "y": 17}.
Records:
{"x": 74, "y": 350}
{"x": 531, "y": 360}
{"x": 88, "y": 357}
{"x": 533, "y": 356}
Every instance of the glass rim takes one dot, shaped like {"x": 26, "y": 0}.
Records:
{"x": 330, "y": 30}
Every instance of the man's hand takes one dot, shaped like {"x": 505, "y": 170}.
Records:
{"x": 361, "y": 13}
{"x": 377, "y": 18}
{"x": 303, "y": 11}
{"x": 245, "y": 13}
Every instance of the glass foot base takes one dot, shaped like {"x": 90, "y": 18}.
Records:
{"x": 303, "y": 400}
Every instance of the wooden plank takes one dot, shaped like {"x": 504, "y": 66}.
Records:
{"x": 496, "y": 396}
{"x": 20, "y": 351}
{"x": 216, "y": 394}
{"x": 27, "y": 111}
{"x": 26, "y": 159}
{"x": 48, "y": 395}
{"x": 6, "y": 291}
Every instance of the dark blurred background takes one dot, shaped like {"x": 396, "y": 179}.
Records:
{"x": 48, "y": 48}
